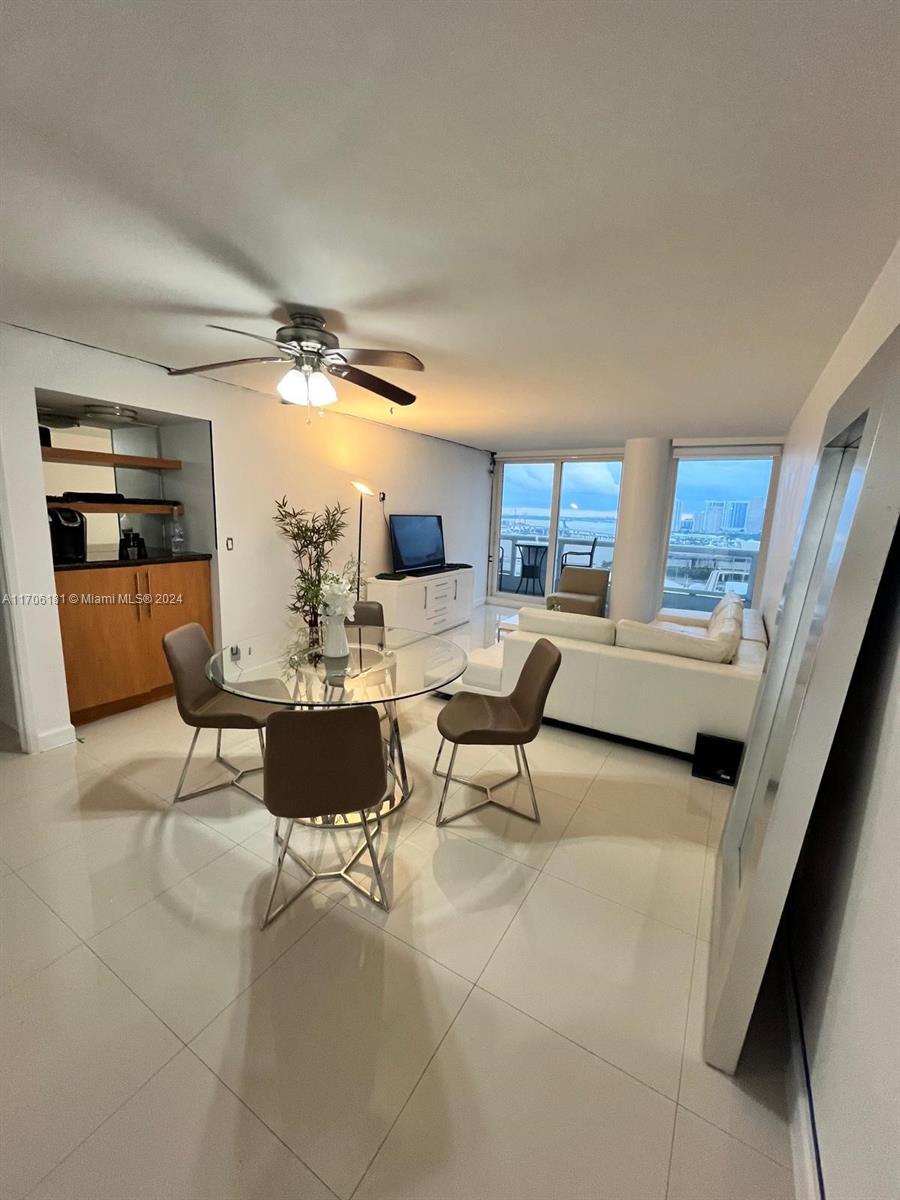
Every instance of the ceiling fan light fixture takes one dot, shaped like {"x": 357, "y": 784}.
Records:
{"x": 301, "y": 386}
{"x": 321, "y": 390}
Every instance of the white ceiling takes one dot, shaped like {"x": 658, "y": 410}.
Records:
{"x": 590, "y": 219}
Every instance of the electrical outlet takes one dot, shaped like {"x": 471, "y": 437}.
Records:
{"x": 382, "y": 496}
{"x": 229, "y": 543}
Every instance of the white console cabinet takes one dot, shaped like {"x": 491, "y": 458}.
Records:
{"x": 428, "y": 603}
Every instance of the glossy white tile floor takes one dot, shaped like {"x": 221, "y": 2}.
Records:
{"x": 524, "y": 1023}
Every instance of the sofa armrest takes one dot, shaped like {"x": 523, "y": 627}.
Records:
{"x": 683, "y": 616}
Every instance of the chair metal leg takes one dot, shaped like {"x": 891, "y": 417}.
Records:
{"x": 534, "y": 803}
{"x": 184, "y": 770}
{"x": 240, "y": 772}
{"x": 488, "y": 790}
{"x": 269, "y": 916}
{"x": 368, "y": 843}
{"x": 447, "y": 778}
{"x": 236, "y": 772}
{"x": 382, "y": 898}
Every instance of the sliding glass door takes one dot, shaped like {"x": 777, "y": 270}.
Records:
{"x": 526, "y": 508}
{"x": 588, "y": 507}
{"x": 551, "y": 514}
{"x": 718, "y": 517}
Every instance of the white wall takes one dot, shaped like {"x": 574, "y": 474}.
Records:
{"x": 8, "y": 711}
{"x": 102, "y": 528}
{"x": 876, "y": 320}
{"x": 261, "y": 449}
{"x": 847, "y": 944}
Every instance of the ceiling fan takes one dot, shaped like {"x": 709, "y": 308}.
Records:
{"x": 312, "y": 353}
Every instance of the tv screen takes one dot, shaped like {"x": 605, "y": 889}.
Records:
{"x": 417, "y": 542}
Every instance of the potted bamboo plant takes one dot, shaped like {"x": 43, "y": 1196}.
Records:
{"x": 313, "y": 537}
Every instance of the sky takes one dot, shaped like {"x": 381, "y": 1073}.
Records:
{"x": 594, "y": 487}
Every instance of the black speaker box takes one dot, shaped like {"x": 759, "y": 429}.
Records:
{"x": 716, "y": 758}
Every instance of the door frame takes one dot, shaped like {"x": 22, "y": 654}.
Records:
{"x": 493, "y": 594}
{"x": 839, "y": 557}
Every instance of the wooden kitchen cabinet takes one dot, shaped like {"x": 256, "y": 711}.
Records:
{"x": 112, "y": 641}
{"x": 179, "y": 593}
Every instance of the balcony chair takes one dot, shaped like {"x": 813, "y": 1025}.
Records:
{"x": 569, "y": 556}
{"x": 581, "y": 590}
{"x": 474, "y": 719}
{"x": 531, "y": 578}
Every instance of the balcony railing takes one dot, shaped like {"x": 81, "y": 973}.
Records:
{"x": 509, "y": 562}
{"x": 696, "y": 576}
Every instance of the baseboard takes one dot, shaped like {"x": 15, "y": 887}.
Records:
{"x": 804, "y": 1149}
{"x": 51, "y": 739}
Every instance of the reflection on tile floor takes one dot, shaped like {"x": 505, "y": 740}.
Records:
{"x": 525, "y": 1022}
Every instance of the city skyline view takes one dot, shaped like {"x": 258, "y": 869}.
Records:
{"x": 718, "y": 512}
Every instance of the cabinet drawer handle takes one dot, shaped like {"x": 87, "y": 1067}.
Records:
{"x": 425, "y": 605}
{"x": 137, "y": 594}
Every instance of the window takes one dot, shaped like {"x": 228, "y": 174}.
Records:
{"x": 718, "y": 515}
{"x": 526, "y": 500}
{"x": 588, "y": 507}
{"x": 554, "y": 514}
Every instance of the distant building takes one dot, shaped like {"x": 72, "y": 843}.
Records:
{"x": 713, "y": 516}
{"x": 757, "y": 514}
{"x": 676, "y": 515}
{"x": 736, "y": 516}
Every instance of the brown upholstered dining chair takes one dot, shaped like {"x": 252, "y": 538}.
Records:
{"x": 473, "y": 719}
{"x": 320, "y": 763}
{"x": 204, "y": 706}
{"x": 367, "y": 612}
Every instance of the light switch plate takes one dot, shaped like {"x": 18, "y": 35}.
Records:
{"x": 229, "y": 543}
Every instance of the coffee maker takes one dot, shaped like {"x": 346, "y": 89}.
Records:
{"x": 68, "y": 535}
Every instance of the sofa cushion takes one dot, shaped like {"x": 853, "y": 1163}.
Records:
{"x": 568, "y": 624}
{"x": 727, "y": 612}
{"x": 728, "y": 598}
{"x": 674, "y": 627}
{"x": 635, "y": 635}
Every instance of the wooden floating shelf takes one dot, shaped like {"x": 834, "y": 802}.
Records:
{"x": 84, "y": 506}
{"x": 100, "y": 458}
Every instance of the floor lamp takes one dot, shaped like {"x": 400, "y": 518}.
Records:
{"x": 364, "y": 490}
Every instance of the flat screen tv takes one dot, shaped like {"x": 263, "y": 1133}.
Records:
{"x": 417, "y": 542}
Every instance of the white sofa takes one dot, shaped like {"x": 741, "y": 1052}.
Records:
{"x": 662, "y": 699}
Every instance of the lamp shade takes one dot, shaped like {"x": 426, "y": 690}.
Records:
{"x": 302, "y": 387}
{"x": 362, "y": 488}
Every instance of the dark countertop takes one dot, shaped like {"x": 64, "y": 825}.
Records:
{"x": 95, "y": 560}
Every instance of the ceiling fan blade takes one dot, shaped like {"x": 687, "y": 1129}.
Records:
{"x": 234, "y": 362}
{"x": 256, "y": 336}
{"x": 372, "y": 383}
{"x": 398, "y": 359}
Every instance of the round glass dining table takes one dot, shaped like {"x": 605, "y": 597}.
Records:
{"x": 383, "y": 666}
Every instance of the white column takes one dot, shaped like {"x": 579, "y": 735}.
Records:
{"x": 642, "y": 529}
